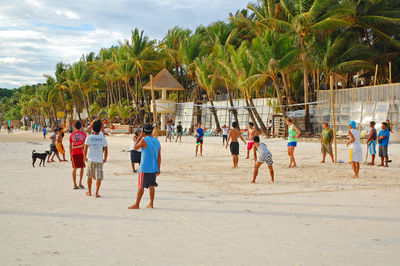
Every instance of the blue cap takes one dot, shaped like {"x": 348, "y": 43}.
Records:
{"x": 353, "y": 124}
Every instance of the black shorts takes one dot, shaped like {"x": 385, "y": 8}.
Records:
{"x": 147, "y": 180}
{"x": 53, "y": 148}
{"x": 136, "y": 156}
{"x": 234, "y": 148}
{"x": 224, "y": 137}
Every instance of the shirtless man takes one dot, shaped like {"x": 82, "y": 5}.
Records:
{"x": 234, "y": 135}
{"x": 251, "y": 133}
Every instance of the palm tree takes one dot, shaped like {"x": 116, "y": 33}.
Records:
{"x": 204, "y": 70}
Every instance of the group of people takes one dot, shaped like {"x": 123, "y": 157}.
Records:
{"x": 170, "y": 129}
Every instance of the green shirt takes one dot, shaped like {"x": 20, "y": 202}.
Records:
{"x": 327, "y": 135}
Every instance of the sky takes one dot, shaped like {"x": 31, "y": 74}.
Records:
{"x": 36, "y": 34}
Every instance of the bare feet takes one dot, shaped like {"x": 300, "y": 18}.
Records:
{"x": 88, "y": 194}
{"x": 97, "y": 196}
{"x": 272, "y": 180}
{"x": 150, "y": 206}
{"x": 133, "y": 207}
{"x": 247, "y": 158}
{"x": 322, "y": 161}
{"x": 370, "y": 164}
{"x": 355, "y": 176}
{"x": 380, "y": 165}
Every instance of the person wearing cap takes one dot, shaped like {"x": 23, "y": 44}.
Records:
{"x": 355, "y": 148}
{"x": 383, "y": 141}
{"x": 135, "y": 155}
{"x": 150, "y": 164}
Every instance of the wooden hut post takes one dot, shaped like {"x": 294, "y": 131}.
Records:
{"x": 333, "y": 115}
{"x": 390, "y": 72}
{"x": 376, "y": 74}
{"x": 153, "y": 97}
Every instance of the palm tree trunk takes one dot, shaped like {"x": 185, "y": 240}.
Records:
{"x": 249, "y": 110}
{"x": 258, "y": 117}
{"x": 305, "y": 79}
{"x": 287, "y": 90}
{"x": 214, "y": 112}
{"x": 145, "y": 99}
{"x": 85, "y": 102}
{"x": 279, "y": 96}
{"x": 234, "y": 111}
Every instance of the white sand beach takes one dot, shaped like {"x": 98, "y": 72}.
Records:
{"x": 205, "y": 212}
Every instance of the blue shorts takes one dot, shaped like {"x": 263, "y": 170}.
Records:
{"x": 372, "y": 147}
{"x": 292, "y": 144}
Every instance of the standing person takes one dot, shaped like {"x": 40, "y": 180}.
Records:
{"x": 169, "y": 131}
{"x": 371, "y": 142}
{"x": 383, "y": 141}
{"x": 8, "y": 129}
{"x": 265, "y": 157}
{"x": 150, "y": 165}
{"x": 269, "y": 128}
{"x": 97, "y": 146}
{"x": 251, "y": 133}
{"x": 225, "y": 131}
{"x": 355, "y": 148}
{"x": 44, "y": 132}
{"x": 199, "y": 138}
{"x": 53, "y": 147}
{"x": 135, "y": 155}
{"x": 76, "y": 145}
{"x": 234, "y": 135}
{"x": 60, "y": 146}
{"x": 293, "y": 136}
{"x": 326, "y": 142}
{"x": 179, "y": 132}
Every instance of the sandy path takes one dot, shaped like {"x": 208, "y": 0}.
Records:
{"x": 206, "y": 212}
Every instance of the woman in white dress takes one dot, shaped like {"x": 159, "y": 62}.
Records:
{"x": 355, "y": 148}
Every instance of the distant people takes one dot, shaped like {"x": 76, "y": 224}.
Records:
{"x": 326, "y": 142}
{"x": 44, "y": 129}
{"x": 269, "y": 128}
{"x": 135, "y": 155}
{"x": 97, "y": 146}
{"x": 53, "y": 147}
{"x": 150, "y": 166}
{"x": 12, "y": 129}
{"x": 355, "y": 148}
{"x": 225, "y": 131}
{"x": 179, "y": 132}
{"x": 389, "y": 126}
{"x": 383, "y": 141}
{"x": 293, "y": 136}
{"x": 265, "y": 156}
{"x": 76, "y": 146}
{"x": 233, "y": 137}
{"x": 371, "y": 142}
{"x": 199, "y": 138}
{"x": 60, "y": 146}
{"x": 169, "y": 132}
{"x": 8, "y": 129}
{"x": 251, "y": 133}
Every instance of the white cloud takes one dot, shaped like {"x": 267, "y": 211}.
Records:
{"x": 36, "y": 34}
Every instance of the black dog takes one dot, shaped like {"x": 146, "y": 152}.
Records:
{"x": 41, "y": 156}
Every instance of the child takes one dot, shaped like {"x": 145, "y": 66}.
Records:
{"x": 76, "y": 145}
{"x": 265, "y": 157}
{"x": 97, "y": 145}
{"x": 150, "y": 165}
{"x": 53, "y": 147}
{"x": 135, "y": 155}
{"x": 199, "y": 139}
{"x": 179, "y": 132}
{"x": 383, "y": 140}
{"x": 371, "y": 142}
{"x": 355, "y": 149}
{"x": 326, "y": 142}
{"x": 44, "y": 131}
{"x": 293, "y": 136}
{"x": 60, "y": 146}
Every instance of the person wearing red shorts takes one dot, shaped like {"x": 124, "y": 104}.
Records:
{"x": 76, "y": 145}
{"x": 251, "y": 133}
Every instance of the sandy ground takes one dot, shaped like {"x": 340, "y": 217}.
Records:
{"x": 206, "y": 213}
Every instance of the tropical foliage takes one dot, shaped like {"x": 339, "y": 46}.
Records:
{"x": 275, "y": 48}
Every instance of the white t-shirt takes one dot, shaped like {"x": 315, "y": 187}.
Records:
{"x": 262, "y": 149}
{"x": 356, "y": 134}
{"x": 133, "y": 147}
{"x": 96, "y": 144}
{"x": 225, "y": 130}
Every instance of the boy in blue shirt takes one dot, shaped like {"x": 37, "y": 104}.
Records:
{"x": 199, "y": 139}
{"x": 383, "y": 140}
{"x": 149, "y": 164}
